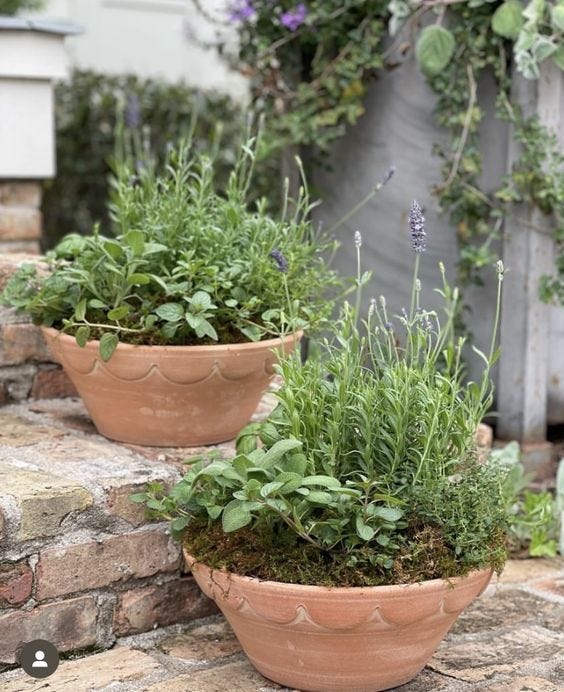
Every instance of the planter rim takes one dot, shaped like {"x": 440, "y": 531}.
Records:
{"x": 386, "y": 589}
{"x": 216, "y": 348}
{"x": 44, "y": 26}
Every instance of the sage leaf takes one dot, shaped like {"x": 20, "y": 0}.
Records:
{"x": 108, "y": 344}
{"x": 119, "y": 312}
{"x": 235, "y": 516}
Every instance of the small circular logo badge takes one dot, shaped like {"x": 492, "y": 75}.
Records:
{"x": 39, "y": 658}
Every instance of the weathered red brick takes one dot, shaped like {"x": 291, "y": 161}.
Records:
{"x": 20, "y": 223}
{"x": 140, "y": 610}
{"x": 93, "y": 564}
{"x": 52, "y": 383}
{"x": 20, "y": 194}
{"x": 9, "y": 263}
{"x": 16, "y": 580}
{"x": 20, "y": 343}
{"x": 119, "y": 504}
{"x": 18, "y": 247}
{"x": 67, "y": 624}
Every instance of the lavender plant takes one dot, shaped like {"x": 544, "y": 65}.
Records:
{"x": 186, "y": 264}
{"x": 366, "y": 472}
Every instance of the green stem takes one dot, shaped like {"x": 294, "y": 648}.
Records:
{"x": 414, "y": 286}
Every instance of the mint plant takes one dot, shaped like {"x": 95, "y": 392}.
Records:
{"x": 186, "y": 265}
{"x": 368, "y": 463}
{"x": 534, "y": 515}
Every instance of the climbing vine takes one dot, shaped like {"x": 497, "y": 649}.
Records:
{"x": 309, "y": 64}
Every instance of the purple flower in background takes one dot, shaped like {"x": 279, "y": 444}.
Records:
{"x": 281, "y": 261}
{"x": 133, "y": 112}
{"x": 241, "y": 11}
{"x": 417, "y": 227}
{"x": 293, "y": 19}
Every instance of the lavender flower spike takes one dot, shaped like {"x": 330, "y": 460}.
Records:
{"x": 417, "y": 227}
{"x": 293, "y": 19}
{"x": 133, "y": 112}
{"x": 281, "y": 261}
{"x": 357, "y": 239}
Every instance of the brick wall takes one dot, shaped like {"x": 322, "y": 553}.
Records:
{"x": 79, "y": 563}
{"x": 26, "y": 368}
{"x": 20, "y": 217}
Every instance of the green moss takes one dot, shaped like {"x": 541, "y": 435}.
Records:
{"x": 260, "y": 554}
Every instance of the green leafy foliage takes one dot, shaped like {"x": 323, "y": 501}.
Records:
{"x": 186, "y": 264}
{"x": 86, "y": 111}
{"x": 434, "y": 49}
{"x": 369, "y": 444}
{"x": 11, "y": 7}
{"x": 310, "y": 83}
{"x": 534, "y": 516}
{"x": 508, "y": 20}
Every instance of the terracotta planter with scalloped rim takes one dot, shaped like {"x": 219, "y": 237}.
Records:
{"x": 339, "y": 640}
{"x": 170, "y": 396}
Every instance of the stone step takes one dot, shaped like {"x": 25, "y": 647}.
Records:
{"x": 80, "y": 565}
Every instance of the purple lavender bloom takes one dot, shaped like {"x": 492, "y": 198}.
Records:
{"x": 241, "y": 11}
{"x": 293, "y": 19}
{"x": 133, "y": 112}
{"x": 281, "y": 261}
{"x": 417, "y": 227}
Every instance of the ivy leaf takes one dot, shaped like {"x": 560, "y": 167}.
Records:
{"x": 82, "y": 335}
{"x": 170, "y": 312}
{"x": 235, "y": 516}
{"x": 558, "y": 57}
{"x": 108, "y": 344}
{"x": 543, "y": 48}
{"x": 557, "y": 17}
{"x": 434, "y": 49}
{"x": 534, "y": 11}
{"x": 508, "y": 20}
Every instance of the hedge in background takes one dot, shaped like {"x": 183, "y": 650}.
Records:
{"x": 86, "y": 112}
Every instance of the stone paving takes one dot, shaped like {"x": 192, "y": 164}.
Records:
{"x": 509, "y": 640}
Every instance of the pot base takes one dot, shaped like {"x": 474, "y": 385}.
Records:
{"x": 319, "y": 639}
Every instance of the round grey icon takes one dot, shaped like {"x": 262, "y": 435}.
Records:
{"x": 39, "y": 658}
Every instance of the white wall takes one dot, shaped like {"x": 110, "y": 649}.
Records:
{"x": 152, "y": 38}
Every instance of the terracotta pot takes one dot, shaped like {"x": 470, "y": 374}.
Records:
{"x": 170, "y": 396}
{"x": 339, "y": 640}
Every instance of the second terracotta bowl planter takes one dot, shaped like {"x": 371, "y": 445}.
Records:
{"x": 170, "y": 396}
{"x": 339, "y": 639}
